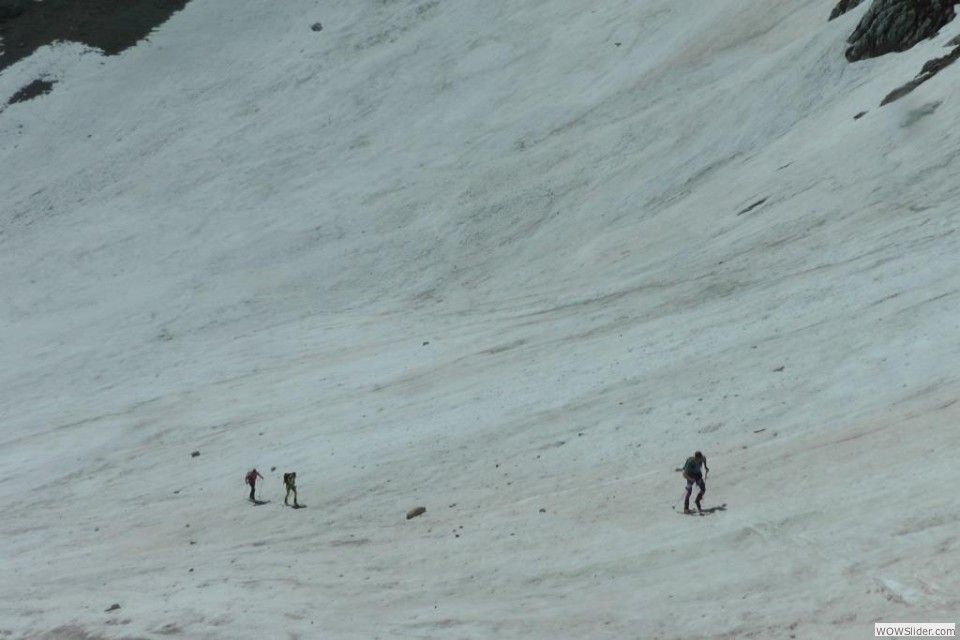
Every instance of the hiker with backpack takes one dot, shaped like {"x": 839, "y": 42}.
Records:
{"x": 290, "y": 482}
{"x": 691, "y": 471}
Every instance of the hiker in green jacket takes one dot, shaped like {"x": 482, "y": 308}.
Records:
{"x": 290, "y": 482}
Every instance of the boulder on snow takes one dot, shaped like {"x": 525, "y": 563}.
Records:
{"x": 413, "y": 513}
{"x": 897, "y": 25}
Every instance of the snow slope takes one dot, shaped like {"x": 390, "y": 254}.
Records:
{"x": 497, "y": 259}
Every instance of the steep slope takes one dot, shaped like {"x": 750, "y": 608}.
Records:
{"x": 492, "y": 260}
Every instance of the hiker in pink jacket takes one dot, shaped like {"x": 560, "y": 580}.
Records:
{"x": 252, "y": 481}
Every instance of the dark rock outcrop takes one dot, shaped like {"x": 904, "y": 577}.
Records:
{"x": 930, "y": 69}
{"x": 36, "y": 88}
{"x": 11, "y": 8}
{"x": 897, "y": 25}
{"x": 109, "y": 25}
{"x": 843, "y": 6}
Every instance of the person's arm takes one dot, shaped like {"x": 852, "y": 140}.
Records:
{"x": 705, "y": 468}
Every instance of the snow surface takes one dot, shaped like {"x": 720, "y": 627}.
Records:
{"x": 492, "y": 258}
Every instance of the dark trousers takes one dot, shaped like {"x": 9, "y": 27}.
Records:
{"x": 253, "y": 489}
{"x": 292, "y": 490}
{"x": 698, "y": 480}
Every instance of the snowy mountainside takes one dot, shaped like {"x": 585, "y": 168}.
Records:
{"x": 511, "y": 263}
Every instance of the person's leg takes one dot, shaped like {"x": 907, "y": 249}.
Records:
{"x": 253, "y": 489}
{"x": 703, "y": 490}
{"x": 295, "y": 503}
{"x": 686, "y": 496}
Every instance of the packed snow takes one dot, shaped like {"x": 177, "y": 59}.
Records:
{"x": 513, "y": 262}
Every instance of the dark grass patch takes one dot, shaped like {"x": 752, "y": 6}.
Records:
{"x": 108, "y": 25}
{"x": 36, "y": 88}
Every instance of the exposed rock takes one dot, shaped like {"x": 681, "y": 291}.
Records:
{"x": 34, "y": 89}
{"x": 109, "y": 25}
{"x": 413, "y": 513}
{"x": 843, "y": 6}
{"x": 930, "y": 69}
{"x": 112, "y": 607}
{"x": 316, "y": 26}
{"x": 954, "y": 42}
{"x": 11, "y": 8}
{"x": 935, "y": 66}
{"x": 859, "y": 115}
{"x": 901, "y": 91}
{"x": 195, "y": 454}
{"x": 897, "y": 25}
